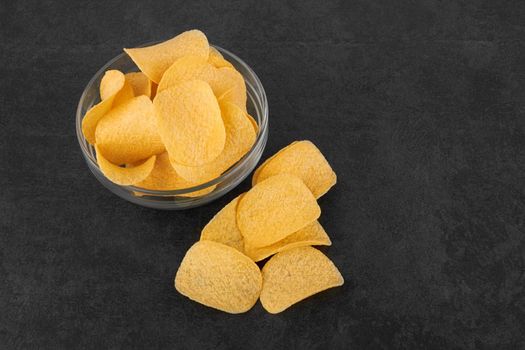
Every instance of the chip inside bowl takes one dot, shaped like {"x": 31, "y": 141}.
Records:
{"x": 187, "y": 68}
{"x": 140, "y": 83}
{"x": 156, "y": 59}
{"x": 189, "y": 123}
{"x": 164, "y": 178}
{"x": 125, "y": 176}
{"x": 240, "y": 138}
{"x": 229, "y": 85}
{"x": 186, "y": 106}
{"x": 128, "y": 133}
{"x": 113, "y": 91}
{"x": 215, "y": 58}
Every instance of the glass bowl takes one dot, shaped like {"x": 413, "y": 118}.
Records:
{"x": 178, "y": 199}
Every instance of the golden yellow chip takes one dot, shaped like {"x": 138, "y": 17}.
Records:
{"x": 124, "y": 176}
{"x": 258, "y": 170}
{"x": 240, "y": 138}
{"x": 214, "y": 53}
{"x": 274, "y": 209}
{"x": 111, "y": 83}
{"x": 254, "y": 123}
{"x": 303, "y": 160}
{"x": 313, "y": 234}
{"x": 113, "y": 91}
{"x": 295, "y": 274}
{"x": 128, "y": 132}
{"x": 186, "y": 68}
{"x": 215, "y": 59}
{"x": 154, "y": 60}
{"x": 164, "y": 178}
{"x": 114, "y": 82}
{"x": 222, "y": 228}
{"x": 189, "y": 123}
{"x": 220, "y": 277}
{"x": 140, "y": 83}
{"x": 154, "y": 87}
{"x": 229, "y": 86}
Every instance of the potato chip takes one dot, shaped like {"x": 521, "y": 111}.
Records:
{"x": 240, "y": 138}
{"x": 215, "y": 59}
{"x": 304, "y": 160}
{"x": 124, "y": 176}
{"x": 295, "y": 274}
{"x": 114, "y": 82}
{"x": 164, "y": 178}
{"x": 229, "y": 85}
{"x": 313, "y": 234}
{"x": 140, "y": 83}
{"x": 111, "y": 83}
{"x": 113, "y": 91}
{"x": 258, "y": 170}
{"x": 254, "y": 123}
{"x": 189, "y": 123}
{"x": 154, "y": 87}
{"x": 214, "y": 53}
{"x": 222, "y": 228}
{"x": 128, "y": 133}
{"x": 155, "y": 60}
{"x": 220, "y": 277}
{"x": 274, "y": 209}
{"x": 187, "y": 68}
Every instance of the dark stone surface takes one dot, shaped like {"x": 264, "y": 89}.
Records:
{"x": 419, "y": 106}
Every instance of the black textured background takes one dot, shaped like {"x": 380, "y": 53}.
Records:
{"x": 419, "y": 106}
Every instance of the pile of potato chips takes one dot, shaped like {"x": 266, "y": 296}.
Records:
{"x": 179, "y": 122}
{"x": 277, "y": 218}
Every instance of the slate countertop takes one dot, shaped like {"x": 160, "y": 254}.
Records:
{"x": 419, "y": 107}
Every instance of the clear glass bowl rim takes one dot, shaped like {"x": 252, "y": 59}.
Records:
{"x": 231, "y": 172}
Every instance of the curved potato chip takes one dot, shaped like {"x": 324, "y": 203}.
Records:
{"x": 240, "y": 138}
{"x": 154, "y": 87}
{"x": 274, "y": 209}
{"x": 222, "y": 228}
{"x": 154, "y": 60}
{"x": 189, "y": 123}
{"x": 98, "y": 111}
{"x": 164, "y": 178}
{"x": 258, "y": 170}
{"x": 128, "y": 133}
{"x": 220, "y": 277}
{"x": 124, "y": 176}
{"x": 215, "y": 59}
{"x": 114, "y": 82}
{"x": 186, "y": 68}
{"x": 214, "y": 52}
{"x": 93, "y": 116}
{"x": 111, "y": 83}
{"x": 304, "y": 160}
{"x": 254, "y": 123}
{"x": 113, "y": 90}
{"x": 295, "y": 274}
{"x": 229, "y": 85}
{"x": 313, "y": 234}
{"x": 140, "y": 83}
